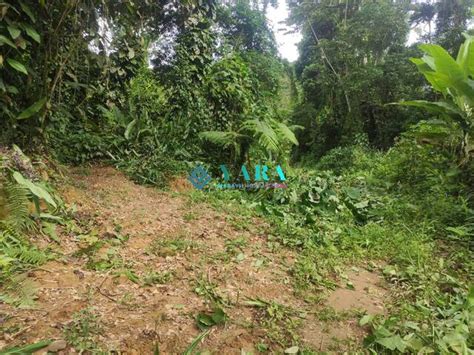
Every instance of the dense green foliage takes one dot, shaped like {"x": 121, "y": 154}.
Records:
{"x": 354, "y": 61}
{"x": 453, "y": 79}
{"x": 222, "y": 71}
{"x": 156, "y": 87}
{"x": 407, "y": 207}
{"x": 28, "y": 205}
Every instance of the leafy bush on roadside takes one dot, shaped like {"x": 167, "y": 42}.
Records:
{"x": 29, "y": 206}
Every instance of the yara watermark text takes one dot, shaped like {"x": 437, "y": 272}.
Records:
{"x": 264, "y": 178}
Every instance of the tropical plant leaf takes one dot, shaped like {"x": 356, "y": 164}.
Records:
{"x": 446, "y": 73}
{"x": 287, "y": 133}
{"x": 20, "y": 291}
{"x": 129, "y": 128}
{"x": 14, "y": 205}
{"x": 36, "y": 190}
{"x": 205, "y": 321}
{"x": 27, "y": 11}
{"x": 17, "y": 66}
{"x": 26, "y": 349}
{"x": 190, "y": 349}
{"x": 30, "y": 31}
{"x": 264, "y": 132}
{"x": 440, "y": 107}
{"x": 393, "y": 343}
{"x": 465, "y": 56}
{"x": 50, "y": 230}
{"x": 15, "y": 32}
{"x": 221, "y": 138}
{"x": 30, "y": 111}
{"x": 5, "y": 40}
{"x": 12, "y": 89}
{"x": 441, "y": 62}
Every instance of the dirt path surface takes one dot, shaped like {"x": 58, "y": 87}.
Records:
{"x": 142, "y": 264}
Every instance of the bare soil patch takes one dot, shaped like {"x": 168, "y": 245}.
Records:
{"x": 161, "y": 262}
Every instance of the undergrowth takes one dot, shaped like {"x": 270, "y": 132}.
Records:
{"x": 403, "y": 213}
{"x": 29, "y": 206}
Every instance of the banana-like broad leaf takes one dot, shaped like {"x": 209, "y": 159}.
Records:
{"x": 35, "y": 189}
{"x": 442, "y": 108}
{"x": 439, "y": 82}
{"x": 437, "y": 107}
{"x": 453, "y": 78}
{"x": 446, "y": 74}
{"x": 442, "y": 62}
{"x": 466, "y": 56}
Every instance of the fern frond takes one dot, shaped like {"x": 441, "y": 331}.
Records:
{"x": 286, "y": 133}
{"x": 264, "y": 132}
{"x": 12, "y": 246}
{"x": 19, "y": 291}
{"x": 32, "y": 256}
{"x": 14, "y": 204}
{"x": 223, "y": 139}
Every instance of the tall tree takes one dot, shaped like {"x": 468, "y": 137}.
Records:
{"x": 352, "y": 62}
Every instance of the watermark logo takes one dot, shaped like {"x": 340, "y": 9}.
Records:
{"x": 199, "y": 177}
{"x": 261, "y": 173}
